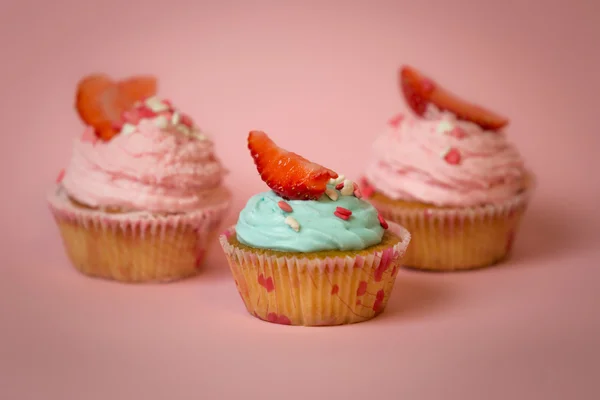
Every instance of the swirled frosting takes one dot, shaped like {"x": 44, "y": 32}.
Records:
{"x": 159, "y": 164}
{"x": 444, "y": 161}
{"x": 264, "y": 224}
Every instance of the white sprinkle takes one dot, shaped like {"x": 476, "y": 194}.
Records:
{"x": 348, "y": 189}
{"x": 127, "y": 129}
{"x": 291, "y": 221}
{"x": 156, "y": 105}
{"x": 332, "y": 194}
{"x": 175, "y": 118}
{"x": 444, "y": 126}
{"x": 338, "y": 180}
{"x": 161, "y": 121}
{"x": 183, "y": 129}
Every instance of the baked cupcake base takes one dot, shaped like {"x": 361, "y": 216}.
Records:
{"x": 136, "y": 246}
{"x": 320, "y": 288}
{"x": 450, "y": 239}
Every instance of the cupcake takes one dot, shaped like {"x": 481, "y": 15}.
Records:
{"x": 310, "y": 251}
{"x": 142, "y": 195}
{"x": 448, "y": 173}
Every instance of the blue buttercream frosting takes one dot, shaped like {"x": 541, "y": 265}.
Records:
{"x": 262, "y": 224}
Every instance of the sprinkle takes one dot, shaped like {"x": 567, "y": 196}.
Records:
{"x": 156, "y": 105}
{"x": 335, "y": 181}
{"x": 60, "y": 176}
{"x": 175, "y": 118}
{"x": 183, "y": 129}
{"x": 452, "y": 156}
{"x": 127, "y": 129}
{"x": 341, "y": 216}
{"x": 339, "y": 186}
{"x": 169, "y": 104}
{"x": 395, "y": 121}
{"x": 285, "y": 206}
{"x": 343, "y": 211}
{"x": 444, "y": 126}
{"x": 332, "y": 194}
{"x": 187, "y": 120}
{"x": 291, "y": 221}
{"x": 161, "y": 121}
{"x": 146, "y": 112}
{"x": 348, "y": 188}
{"x": 382, "y": 222}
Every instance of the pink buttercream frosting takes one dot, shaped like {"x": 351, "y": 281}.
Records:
{"x": 157, "y": 165}
{"x": 444, "y": 161}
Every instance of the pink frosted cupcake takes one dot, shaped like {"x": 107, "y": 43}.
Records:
{"x": 143, "y": 193}
{"x": 449, "y": 174}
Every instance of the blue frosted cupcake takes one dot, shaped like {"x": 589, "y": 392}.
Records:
{"x": 310, "y": 251}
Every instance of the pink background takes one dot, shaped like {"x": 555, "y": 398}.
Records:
{"x": 320, "y": 77}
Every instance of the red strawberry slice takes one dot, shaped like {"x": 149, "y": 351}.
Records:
{"x": 289, "y": 175}
{"x": 419, "y": 91}
{"x": 100, "y": 101}
{"x": 137, "y": 88}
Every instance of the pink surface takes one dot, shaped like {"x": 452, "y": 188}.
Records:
{"x": 529, "y": 329}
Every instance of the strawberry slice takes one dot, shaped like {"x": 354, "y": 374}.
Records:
{"x": 419, "y": 91}
{"x": 100, "y": 101}
{"x": 289, "y": 175}
{"x": 137, "y": 88}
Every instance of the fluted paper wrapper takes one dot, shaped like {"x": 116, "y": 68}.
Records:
{"x": 136, "y": 246}
{"x": 299, "y": 289}
{"x": 460, "y": 238}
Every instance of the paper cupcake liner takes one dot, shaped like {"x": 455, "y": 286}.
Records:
{"x": 305, "y": 289}
{"x": 136, "y": 246}
{"x": 460, "y": 238}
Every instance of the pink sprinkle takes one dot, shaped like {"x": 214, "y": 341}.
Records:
{"x": 285, "y": 206}
{"x": 187, "y": 120}
{"x": 343, "y": 211}
{"x": 452, "y": 156}
{"x": 169, "y": 104}
{"x": 341, "y": 216}
{"x": 382, "y": 222}
{"x": 60, "y": 176}
{"x": 395, "y": 121}
{"x": 458, "y": 133}
{"x": 340, "y": 186}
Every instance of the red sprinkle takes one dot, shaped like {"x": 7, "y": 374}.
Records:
{"x": 285, "y": 206}
{"x": 168, "y": 104}
{"x": 453, "y": 157}
{"x": 382, "y": 222}
{"x": 340, "y": 186}
{"x": 187, "y": 120}
{"x": 146, "y": 112}
{"x": 60, "y": 176}
{"x": 343, "y": 211}
{"x": 345, "y": 217}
